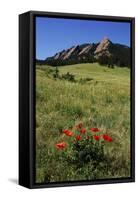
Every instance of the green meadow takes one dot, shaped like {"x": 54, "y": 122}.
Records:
{"x": 99, "y": 97}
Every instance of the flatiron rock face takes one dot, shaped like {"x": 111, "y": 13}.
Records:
{"x": 103, "y": 46}
{"x": 91, "y": 52}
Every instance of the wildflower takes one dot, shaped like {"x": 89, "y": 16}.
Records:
{"x": 78, "y": 137}
{"x": 110, "y": 139}
{"x": 61, "y": 145}
{"x": 95, "y": 129}
{"x": 107, "y": 138}
{"x": 68, "y": 132}
{"x": 96, "y": 137}
{"x": 83, "y": 131}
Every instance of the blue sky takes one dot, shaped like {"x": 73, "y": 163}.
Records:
{"x": 56, "y": 34}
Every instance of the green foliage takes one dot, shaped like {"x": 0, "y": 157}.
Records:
{"x": 86, "y": 151}
{"x": 103, "y": 60}
{"x": 56, "y": 73}
{"x": 68, "y": 76}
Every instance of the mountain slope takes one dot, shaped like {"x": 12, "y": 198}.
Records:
{"x": 104, "y": 52}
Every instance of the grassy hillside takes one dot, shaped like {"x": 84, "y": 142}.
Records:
{"x": 102, "y": 100}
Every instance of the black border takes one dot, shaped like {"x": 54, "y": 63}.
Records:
{"x": 32, "y": 110}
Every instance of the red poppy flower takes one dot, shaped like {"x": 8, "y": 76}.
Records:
{"x": 110, "y": 139}
{"x": 96, "y": 137}
{"x": 61, "y": 145}
{"x": 107, "y": 138}
{"x": 83, "y": 131}
{"x": 68, "y": 132}
{"x": 78, "y": 137}
{"x": 95, "y": 129}
{"x": 79, "y": 126}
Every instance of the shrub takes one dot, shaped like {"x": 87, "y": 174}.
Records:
{"x": 87, "y": 150}
{"x": 68, "y": 76}
{"x": 56, "y": 73}
{"x": 84, "y": 80}
{"x": 83, "y": 146}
